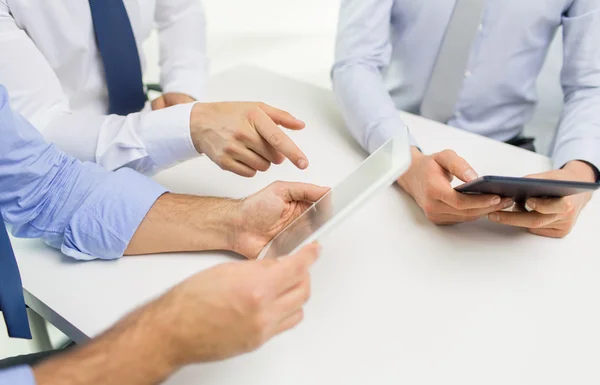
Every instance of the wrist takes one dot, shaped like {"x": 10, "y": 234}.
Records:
{"x": 404, "y": 180}
{"x": 581, "y": 171}
{"x": 218, "y": 220}
{"x": 178, "y": 223}
{"x": 199, "y": 122}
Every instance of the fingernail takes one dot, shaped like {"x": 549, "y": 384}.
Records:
{"x": 494, "y": 217}
{"x": 508, "y": 203}
{"x": 303, "y": 163}
{"x": 470, "y": 174}
{"x": 532, "y": 203}
{"x": 496, "y": 201}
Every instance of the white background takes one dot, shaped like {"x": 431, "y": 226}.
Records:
{"x": 296, "y": 38}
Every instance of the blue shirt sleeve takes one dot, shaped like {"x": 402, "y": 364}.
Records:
{"x": 578, "y": 136}
{"x": 78, "y": 207}
{"x": 21, "y": 375}
{"x": 363, "y": 52}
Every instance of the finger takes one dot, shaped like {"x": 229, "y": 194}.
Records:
{"x": 291, "y": 301}
{"x": 461, "y": 201}
{"x": 447, "y": 219}
{"x": 158, "y": 103}
{"x": 291, "y": 270}
{"x": 455, "y": 165}
{"x": 259, "y": 145}
{"x": 530, "y": 220}
{"x": 550, "y": 233}
{"x": 551, "y": 206}
{"x": 238, "y": 168}
{"x": 252, "y": 160}
{"x": 290, "y": 322}
{"x": 303, "y": 192}
{"x": 276, "y": 138}
{"x": 478, "y": 212}
{"x": 283, "y": 118}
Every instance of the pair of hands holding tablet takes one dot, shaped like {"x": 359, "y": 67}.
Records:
{"x": 428, "y": 182}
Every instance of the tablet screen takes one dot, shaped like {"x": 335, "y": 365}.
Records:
{"x": 378, "y": 171}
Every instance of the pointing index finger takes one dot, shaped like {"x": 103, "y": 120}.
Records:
{"x": 273, "y": 134}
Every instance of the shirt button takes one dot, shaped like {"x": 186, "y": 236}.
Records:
{"x": 468, "y": 74}
{"x": 480, "y": 28}
{"x": 457, "y": 115}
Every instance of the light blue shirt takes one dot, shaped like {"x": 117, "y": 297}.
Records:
{"x": 386, "y": 50}
{"x": 78, "y": 207}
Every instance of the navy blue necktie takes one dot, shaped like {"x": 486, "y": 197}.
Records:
{"x": 122, "y": 68}
{"x": 12, "y": 303}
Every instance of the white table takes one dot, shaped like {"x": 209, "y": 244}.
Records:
{"x": 396, "y": 300}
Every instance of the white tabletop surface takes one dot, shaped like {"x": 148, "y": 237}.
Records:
{"x": 396, "y": 300}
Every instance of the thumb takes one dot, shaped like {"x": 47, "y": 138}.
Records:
{"x": 306, "y": 256}
{"x": 455, "y": 165}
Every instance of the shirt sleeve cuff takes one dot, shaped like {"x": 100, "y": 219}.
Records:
{"x": 186, "y": 81}
{"x": 384, "y": 131}
{"x": 166, "y": 135}
{"x": 110, "y": 216}
{"x": 577, "y": 149}
{"x": 20, "y": 375}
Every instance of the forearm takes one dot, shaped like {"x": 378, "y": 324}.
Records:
{"x": 578, "y": 136}
{"x": 362, "y": 53}
{"x": 179, "y": 223}
{"x": 137, "y": 351}
{"x": 366, "y": 105}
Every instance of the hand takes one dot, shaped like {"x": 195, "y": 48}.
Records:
{"x": 235, "y": 308}
{"x": 553, "y": 218}
{"x": 263, "y": 215}
{"x": 244, "y": 137}
{"x": 171, "y": 99}
{"x": 428, "y": 182}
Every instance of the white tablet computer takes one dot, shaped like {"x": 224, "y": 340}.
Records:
{"x": 377, "y": 172}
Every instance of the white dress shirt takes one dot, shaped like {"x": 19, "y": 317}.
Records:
{"x": 386, "y": 50}
{"x": 53, "y": 71}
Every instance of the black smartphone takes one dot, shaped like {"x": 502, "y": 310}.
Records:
{"x": 521, "y": 189}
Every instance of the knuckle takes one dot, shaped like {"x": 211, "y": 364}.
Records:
{"x": 276, "y": 139}
{"x": 428, "y": 208}
{"x": 240, "y": 135}
{"x": 569, "y": 207}
{"x": 230, "y": 149}
{"x": 256, "y": 298}
{"x": 225, "y": 163}
{"x": 456, "y": 202}
{"x": 253, "y": 113}
{"x": 264, "y": 166}
{"x": 537, "y": 223}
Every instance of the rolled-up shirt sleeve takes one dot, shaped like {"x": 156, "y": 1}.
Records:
{"x": 21, "y": 375}
{"x": 76, "y": 206}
